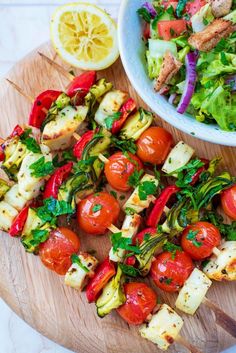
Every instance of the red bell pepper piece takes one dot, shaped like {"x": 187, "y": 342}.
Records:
{"x": 130, "y": 261}
{"x": 17, "y": 131}
{"x": 80, "y": 145}
{"x": 196, "y": 176}
{"x": 105, "y": 271}
{"x": 43, "y": 101}
{"x": 160, "y": 204}
{"x": 125, "y": 111}
{"x": 55, "y": 181}
{"x": 2, "y": 154}
{"x": 19, "y": 222}
{"x": 82, "y": 83}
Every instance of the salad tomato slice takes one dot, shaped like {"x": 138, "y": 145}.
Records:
{"x": 171, "y": 29}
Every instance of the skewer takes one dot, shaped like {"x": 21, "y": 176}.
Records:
{"x": 222, "y": 319}
{"x": 103, "y": 158}
{"x": 58, "y": 67}
{"x": 76, "y": 136}
{"x": 24, "y": 94}
{"x": 183, "y": 342}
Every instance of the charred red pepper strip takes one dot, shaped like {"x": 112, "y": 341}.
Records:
{"x": 125, "y": 111}
{"x": 105, "y": 271}
{"x": 17, "y": 131}
{"x": 2, "y": 154}
{"x": 80, "y": 145}
{"x": 43, "y": 101}
{"x": 196, "y": 176}
{"x": 19, "y": 222}
{"x": 146, "y": 31}
{"x": 160, "y": 204}
{"x": 55, "y": 181}
{"x": 82, "y": 83}
{"x": 130, "y": 261}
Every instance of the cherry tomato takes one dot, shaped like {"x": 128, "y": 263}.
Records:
{"x": 154, "y": 145}
{"x": 228, "y": 201}
{"x": 140, "y": 302}
{"x": 169, "y": 271}
{"x": 97, "y": 212}
{"x": 139, "y": 238}
{"x": 55, "y": 253}
{"x": 199, "y": 239}
{"x": 119, "y": 168}
{"x": 82, "y": 83}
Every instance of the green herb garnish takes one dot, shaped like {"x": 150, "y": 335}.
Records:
{"x": 96, "y": 208}
{"x": 76, "y": 260}
{"x": 120, "y": 242}
{"x": 110, "y": 120}
{"x": 40, "y": 168}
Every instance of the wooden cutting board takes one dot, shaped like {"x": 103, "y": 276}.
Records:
{"x": 40, "y": 297}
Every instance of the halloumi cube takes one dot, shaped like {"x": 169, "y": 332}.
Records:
{"x": 193, "y": 292}
{"x": 134, "y": 201}
{"x": 7, "y": 215}
{"x": 57, "y": 134}
{"x": 29, "y": 185}
{"x": 223, "y": 266}
{"x": 129, "y": 229}
{"x": 14, "y": 198}
{"x": 76, "y": 277}
{"x": 163, "y": 328}
{"x": 110, "y": 104}
{"x": 178, "y": 157}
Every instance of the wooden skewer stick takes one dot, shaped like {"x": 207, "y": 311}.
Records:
{"x": 58, "y": 67}
{"x": 103, "y": 158}
{"x": 76, "y": 136}
{"x": 113, "y": 229}
{"x": 222, "y": 319}
{"x": 183, "y": 342}
{"x": 24, "y": 94}
{"x": 216, "y": 251}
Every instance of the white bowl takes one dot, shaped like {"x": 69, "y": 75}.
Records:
{"x": 132, "y": 52}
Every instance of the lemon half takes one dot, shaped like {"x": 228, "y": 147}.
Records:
{"x": 84, "y": 36}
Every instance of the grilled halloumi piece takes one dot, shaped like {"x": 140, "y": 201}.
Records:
{"x": 29, "y": 185}
{"x": 193, "y": 292}
{"x": 170, "y": 66}
{"x": 57, "y": 134}
{"x": 7, "y": 215}
{"x": 110, "y": 104}
{"x": 207, "y": 39}
{"x": 163, "y": 328}
{"x": 134, "y": 201}
{"x": 14, "y": 198}
{"x": 178, "y": 157}
{"x": 129, "y": 229}
{"x": 78, "y": 274}
{"x": 223, "y": 266}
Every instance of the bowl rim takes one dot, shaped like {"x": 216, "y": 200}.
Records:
{"x": 224, "y": 138}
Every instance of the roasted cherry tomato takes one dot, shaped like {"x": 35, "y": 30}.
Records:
{"x": 97, "y": 212}
{"x": 199, "y": 239}
{"x": 55, "y": 253}
{"x": 154, "y": 145}
{"x": 140, "y": 302}
{"x": 169, "y": 271}
{"x": 43, "y": 101}
{"x": 82, "y": 83}
{"x": 140, "y": 237}
{"x": 228, "y": 201}
{"x": 119, "y": 168}
{"x": 104, "y": 272}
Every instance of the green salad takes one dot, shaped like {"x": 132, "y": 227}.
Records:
{"x": 191, "y": 56}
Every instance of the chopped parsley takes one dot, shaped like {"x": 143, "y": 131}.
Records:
{"x": 192, "y": 237}
{"x": 39, "y": 236}
{"x": 172, "y": 248}
{"x": 146, "y": 188}
{"x": 76, "y": 260}
{"x": 40, "y": 168}
{"x": 30, "y": 142}
{"x": 186, "y": 173}
{"x": 120, "y": 242}
{"x": 96, "y": 208}
{"x": 130, "y": 211}
{"x": 134, "y": 178}
{"x": 53, "y": 208}
{"x": 111, "y": 119}
{"x": 113, "y": 193}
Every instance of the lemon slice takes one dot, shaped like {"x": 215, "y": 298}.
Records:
{"x": 84, "y": 36}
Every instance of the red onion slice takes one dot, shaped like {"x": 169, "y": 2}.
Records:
{"x": 190, "y": 81}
